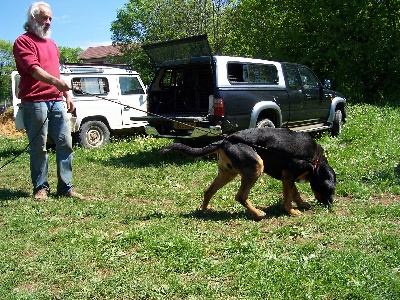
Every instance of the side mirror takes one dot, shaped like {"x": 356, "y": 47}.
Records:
{"x": 327, "y": 84}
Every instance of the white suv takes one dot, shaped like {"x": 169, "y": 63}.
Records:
{"x": 105, "y": 97}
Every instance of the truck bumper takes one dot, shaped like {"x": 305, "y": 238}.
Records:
{"x": 198, "y": 132}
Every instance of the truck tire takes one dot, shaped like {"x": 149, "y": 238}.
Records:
{"x": 265, "y": 123}
{"x": 337, "y": 123}
{"x": 93, "y": 134}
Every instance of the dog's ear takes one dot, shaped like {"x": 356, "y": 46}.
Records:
{"x": 323, "y": 182}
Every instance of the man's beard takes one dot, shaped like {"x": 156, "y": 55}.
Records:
{"x": 41, "y": 30}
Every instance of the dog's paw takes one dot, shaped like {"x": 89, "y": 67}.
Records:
{"x": 259, "y": 215}
{"x": 208, "y": 208}
{"x": 294, "y": 212}
{"x": 304, "y": 205}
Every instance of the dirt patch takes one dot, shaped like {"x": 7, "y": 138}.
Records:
{"x": 385, "y": 199}
{"x": 7, "y": 125}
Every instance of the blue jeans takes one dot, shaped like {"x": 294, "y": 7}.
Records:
{"x": 37, "y": 128}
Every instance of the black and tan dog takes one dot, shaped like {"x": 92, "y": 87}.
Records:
{"x": 283, "y": 154}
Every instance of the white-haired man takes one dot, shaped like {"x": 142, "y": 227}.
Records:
{"x": 41, "y": 92}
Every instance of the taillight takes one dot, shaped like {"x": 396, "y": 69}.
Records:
{"x": 219, "y": 110}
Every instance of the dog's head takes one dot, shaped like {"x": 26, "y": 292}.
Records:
{"x": 323, "y": 182}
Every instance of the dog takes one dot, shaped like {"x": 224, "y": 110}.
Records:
{"x": 283, "y": 154}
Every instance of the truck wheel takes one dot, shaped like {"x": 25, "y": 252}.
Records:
{"x": 93, "y": 134}
{"x": 337, "y": 123}
{"x": 265, "y": 123}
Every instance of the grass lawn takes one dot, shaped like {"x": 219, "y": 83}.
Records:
{"x": 139, "y": 235}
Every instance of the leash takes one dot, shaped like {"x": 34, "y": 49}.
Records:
{"x": 26, "y": 147}
{"x": 224, "y": 136}
{"x": 153, "y": 114}
{"x": 313, "y": 162}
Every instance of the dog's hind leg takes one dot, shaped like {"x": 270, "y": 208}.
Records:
{"x": 242, "y": 195}
{"x": 224, "y": 176}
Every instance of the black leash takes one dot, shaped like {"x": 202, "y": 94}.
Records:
{"x": 224, "y": 136}
{"x": 155, "y": 115}
{"x": 312, "y": 161}
{"x": 27, "y": 146}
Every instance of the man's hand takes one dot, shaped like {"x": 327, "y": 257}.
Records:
{"x": 69, "y": 102}
{"x": 62, "y": 85}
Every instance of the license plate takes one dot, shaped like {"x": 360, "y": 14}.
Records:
{"x": 184, "y": 125}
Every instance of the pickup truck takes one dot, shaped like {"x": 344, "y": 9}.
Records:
{"x": 196, "y": 95}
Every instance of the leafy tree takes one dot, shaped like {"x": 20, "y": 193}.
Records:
{"x": 355, "y": 44}
{"x": 144, "y": 21}
{"x": 7, "y": 65}
{"x": 69, "y": 55}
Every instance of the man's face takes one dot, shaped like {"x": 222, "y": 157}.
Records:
{"x": 40, "y": 23}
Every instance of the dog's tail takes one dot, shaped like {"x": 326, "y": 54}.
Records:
{"x": 193, "y": 152}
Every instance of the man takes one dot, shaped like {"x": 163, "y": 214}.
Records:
{"x": 41, "y": 93}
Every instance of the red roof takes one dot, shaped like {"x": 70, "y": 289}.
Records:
{"x": 100, "y": 52}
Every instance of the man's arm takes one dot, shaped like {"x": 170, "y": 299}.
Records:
{"x": 42, "y": 75}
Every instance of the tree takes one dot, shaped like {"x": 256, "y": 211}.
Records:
{"x": 7, "y": 65}
{"x": 145, "y": 21}
{"x": 69, "y": 55}
{"x": 355, "y": 44}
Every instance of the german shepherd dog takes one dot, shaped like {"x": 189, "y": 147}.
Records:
{"x": 283, "y": 154}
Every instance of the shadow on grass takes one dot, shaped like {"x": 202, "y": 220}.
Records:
{"x": 152, "y": 158}
{"x": 390, "y": 175}
{"x": 6, "y": 195}
{"x": 11, "y": 153}
{"x": 215, "y": 215}
{"x": 273, "y": 211}
{"x": 397, "y": 171}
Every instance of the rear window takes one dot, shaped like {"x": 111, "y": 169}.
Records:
{"x": 171, "y": 78}
{"x": 90, "y": 85}
{"x": 252, "y": 73}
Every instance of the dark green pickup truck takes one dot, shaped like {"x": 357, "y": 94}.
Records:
{"x": 197, "y": 95}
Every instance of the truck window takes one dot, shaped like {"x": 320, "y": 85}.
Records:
{"x": 293, "y": 81}
{"x": 130, "y": 85}
{"x": 252, "y": 73}
{"x": 308, "y": 79}
{"x": 90, "y": 85}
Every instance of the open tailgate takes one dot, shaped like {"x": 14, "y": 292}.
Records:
{"x": 178, "y": 51}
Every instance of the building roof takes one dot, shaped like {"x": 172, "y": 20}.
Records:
{"x": 100, "y": 52}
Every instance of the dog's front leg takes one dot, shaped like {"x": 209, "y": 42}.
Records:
{"x": 289, "y": 191}
{"x": 300, "y": 203}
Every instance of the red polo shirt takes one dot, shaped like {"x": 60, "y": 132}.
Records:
{"x": 30, "y": 51}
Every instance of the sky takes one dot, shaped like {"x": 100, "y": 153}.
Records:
{"x": 76, "y": 23}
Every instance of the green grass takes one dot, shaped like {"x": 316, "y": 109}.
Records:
{"x": 139, "y": 236}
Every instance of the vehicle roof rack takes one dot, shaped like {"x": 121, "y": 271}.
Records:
{"x": 121, "y": 66}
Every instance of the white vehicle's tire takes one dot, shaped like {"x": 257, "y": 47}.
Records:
{"x": 93, "y": 134}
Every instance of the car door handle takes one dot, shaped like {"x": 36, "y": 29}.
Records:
{"x": 308, "y": 96}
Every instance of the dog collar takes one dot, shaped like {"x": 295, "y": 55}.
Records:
{"x": 315, "y": 163}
